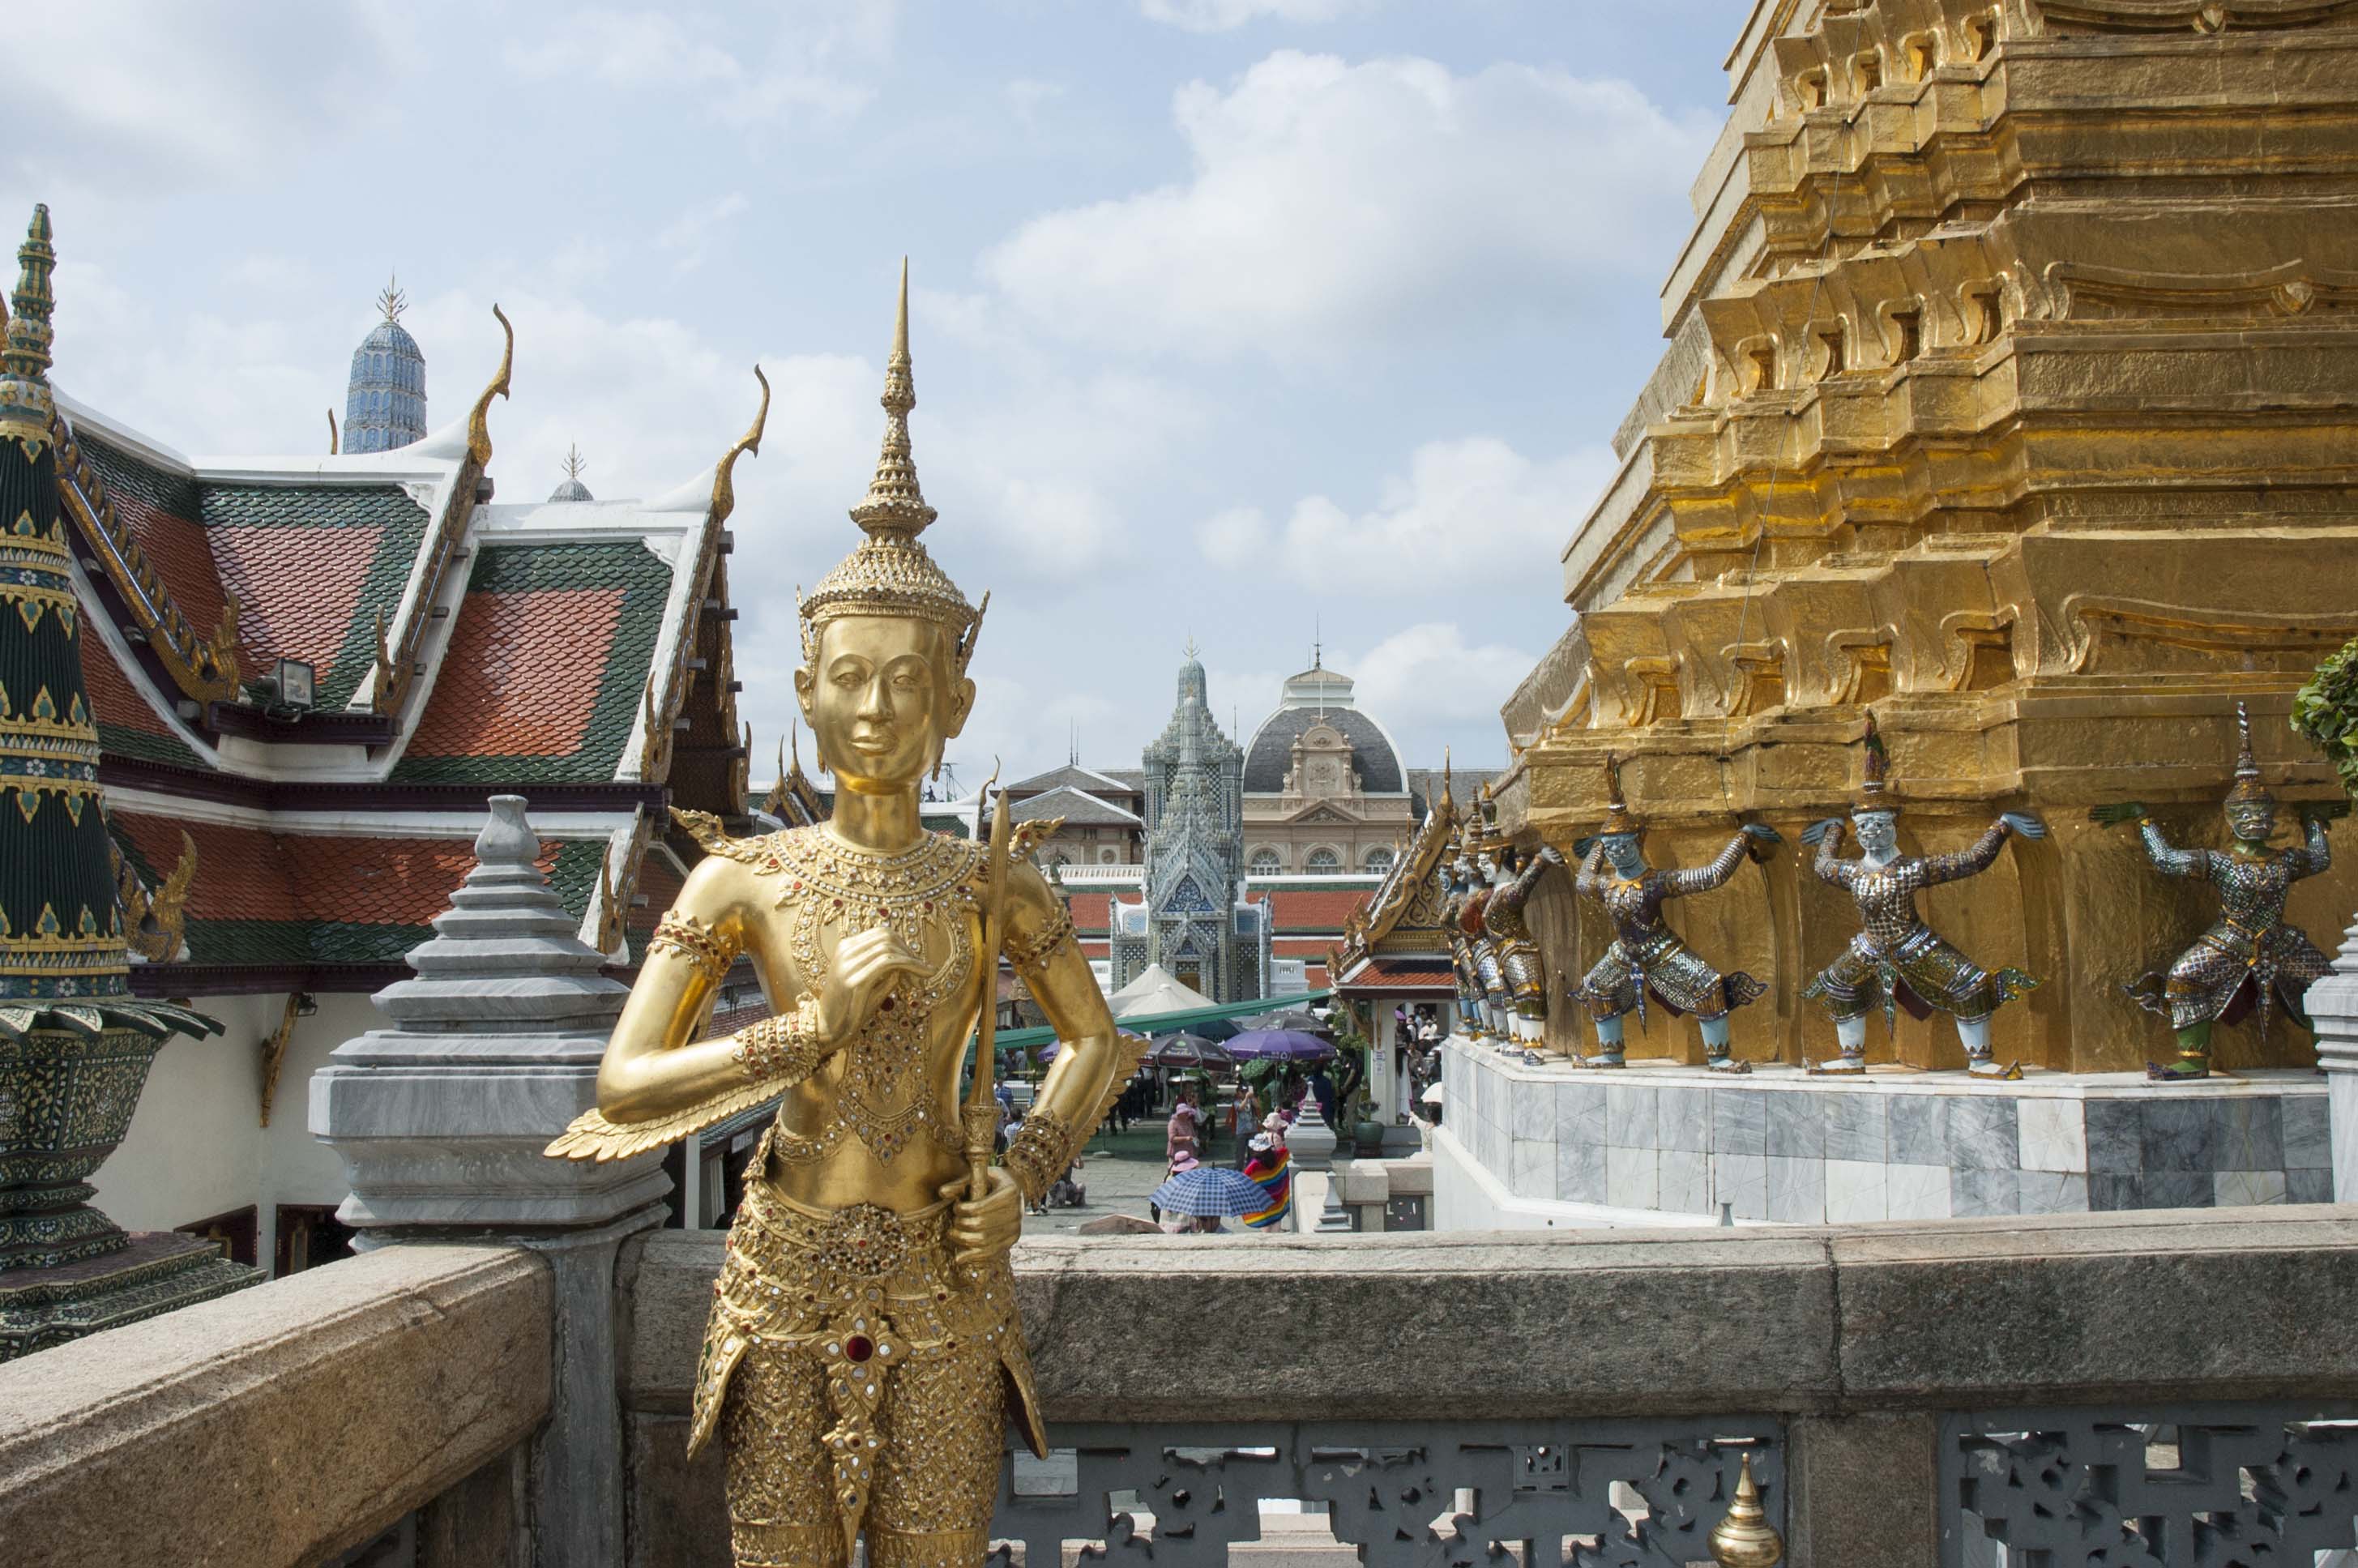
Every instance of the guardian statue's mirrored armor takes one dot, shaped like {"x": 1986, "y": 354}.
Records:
{"x": 1896, "y": 955}
{"x": 1647, "y": 957}
{"x": 1488, "y": 974}
{"x": 862, "y": 1357}
{"x": 1464, "y": 960}
{"x": 1511, "y": 877}
{"x": 2249, "y": 957}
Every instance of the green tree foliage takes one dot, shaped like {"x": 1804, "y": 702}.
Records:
{"x": 2326, "y": 712}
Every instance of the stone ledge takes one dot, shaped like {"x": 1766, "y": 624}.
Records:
{"x": 281, "y": 1426}
{"x": 1827, "y": 1320}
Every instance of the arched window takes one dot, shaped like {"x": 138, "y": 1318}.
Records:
{"x": 1323, "y": 859}
{"x": 1266, "y": 862}
{"x": 1380, "y": 858}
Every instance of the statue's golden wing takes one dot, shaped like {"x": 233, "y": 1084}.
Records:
{"x": 706, "y": 830}
{"x": 592, "y": 1137}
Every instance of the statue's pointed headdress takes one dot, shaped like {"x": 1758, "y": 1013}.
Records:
{"x": 890, "y": 573}
{"x": 2247, "y": 790}
{"x": 1618, "y": 817}
{"x": 1875, "y": 794}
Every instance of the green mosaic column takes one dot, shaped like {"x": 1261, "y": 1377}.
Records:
{"x": 75, "y": 1045}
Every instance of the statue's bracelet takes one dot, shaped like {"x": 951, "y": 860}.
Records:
{"x": 785, "y": 1046}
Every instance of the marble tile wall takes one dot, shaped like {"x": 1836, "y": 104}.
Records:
{"x": 1809, "y": 1153}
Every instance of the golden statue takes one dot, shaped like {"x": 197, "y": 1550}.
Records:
{"x": 863, "y": 1351}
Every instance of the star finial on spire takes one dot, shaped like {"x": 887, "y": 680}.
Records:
{"x": 393, "y": 302}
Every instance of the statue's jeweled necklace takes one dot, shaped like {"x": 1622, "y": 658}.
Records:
{"x": 883, "y": 1097}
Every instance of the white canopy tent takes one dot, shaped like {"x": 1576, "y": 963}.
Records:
{"x": 1155, "y": 990}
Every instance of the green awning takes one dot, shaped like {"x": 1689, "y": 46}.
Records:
{"x": 1165, "y": 1023}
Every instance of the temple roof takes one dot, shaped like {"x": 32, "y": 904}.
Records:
{"x": 1075, "y": 777}
{"x": 579, "y": 653}
{"x": 1079, "y": 809}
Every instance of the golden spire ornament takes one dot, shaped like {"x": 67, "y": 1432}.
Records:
{"x": 1746, "y": 1539}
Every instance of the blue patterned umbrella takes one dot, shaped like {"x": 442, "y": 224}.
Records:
{"x": 1210, "y": 1189}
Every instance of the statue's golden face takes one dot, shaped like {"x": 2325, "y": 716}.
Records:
{"x": 883, "y": 698}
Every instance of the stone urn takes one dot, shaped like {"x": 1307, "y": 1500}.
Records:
{"x": 66, "y": 1099}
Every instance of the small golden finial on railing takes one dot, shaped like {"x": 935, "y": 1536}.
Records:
{"x": 1746, "y": 1539}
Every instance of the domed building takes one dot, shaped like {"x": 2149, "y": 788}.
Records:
{"x": 1325, "y": 791}
{"x": 384, "y": 404}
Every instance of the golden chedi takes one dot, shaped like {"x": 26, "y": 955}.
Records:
{"x": 863, "y": 1353}
{"x": 2010, "y": 392}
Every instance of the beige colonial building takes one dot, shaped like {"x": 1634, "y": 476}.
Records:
{"x": 1325, "y": 790}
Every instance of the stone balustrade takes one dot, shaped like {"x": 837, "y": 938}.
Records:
{"x": 291, "y": 1422}
{"x": 1905, "y": 1394}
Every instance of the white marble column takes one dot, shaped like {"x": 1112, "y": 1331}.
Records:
{"x": 2332, "y": 1004}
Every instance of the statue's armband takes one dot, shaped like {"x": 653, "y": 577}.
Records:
{"x": 685, "y": 936}
{"x": 1029, "y": 955}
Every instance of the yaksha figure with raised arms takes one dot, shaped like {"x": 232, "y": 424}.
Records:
{"x": 1462, "y": 961}
{"x": 1897, "y": 953}
{"x": 1481, "y": 947}
{"x": 2250, "y": 956}
{"x": 1522, "y": 969}
{"x": 863, "y": 1354}
{"x": 1646, "y": 955}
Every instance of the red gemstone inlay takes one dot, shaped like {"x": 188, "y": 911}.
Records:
{"x": 858, "y": 1348}
{"x": 886, "y": 1004}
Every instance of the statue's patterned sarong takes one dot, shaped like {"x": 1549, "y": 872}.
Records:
{"x": 858, "y": 1374}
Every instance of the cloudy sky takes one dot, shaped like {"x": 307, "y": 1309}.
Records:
{"x": 1232, "y": 318}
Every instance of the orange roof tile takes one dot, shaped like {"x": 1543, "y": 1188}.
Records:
{"x": 522, "y": 674}
{"x": 299, "y": 591}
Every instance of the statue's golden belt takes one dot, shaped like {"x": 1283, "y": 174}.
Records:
{"x": 793, "y": 1272}
{"x": 862, "y": 1242}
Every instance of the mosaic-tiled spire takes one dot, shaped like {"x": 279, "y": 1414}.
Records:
{"x": 385, "y": 405}
{"x": 61, "y": 937}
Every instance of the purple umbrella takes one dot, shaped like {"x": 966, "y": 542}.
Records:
{"x": 1189, "y": 1051}
{"x": 1280, "y": 1045}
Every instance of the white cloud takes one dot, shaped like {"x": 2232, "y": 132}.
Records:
{"x": 1027, "y": 96}
{"x": 1222, "y": 15}
{"x": 113, "y": 98}
{"x": 1429, "y": 673}
{"x": 690, "y": 235}
{"x": 818, "y": 55}
{"x": 1332, "y": 202}
{"x": 1467, "y": 511}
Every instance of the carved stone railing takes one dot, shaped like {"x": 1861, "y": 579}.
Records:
{"x": 1587, "y": 1398}
{"x": 2151, "y": 1388}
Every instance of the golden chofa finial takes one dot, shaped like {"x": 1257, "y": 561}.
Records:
{"x": 724, "y": 479}
{"x": 895, "y": 504}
